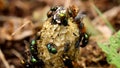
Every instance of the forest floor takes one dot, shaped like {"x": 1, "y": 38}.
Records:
{"x": 15, "y": 28}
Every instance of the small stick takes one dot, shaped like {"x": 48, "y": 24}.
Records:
{"x": 17, "y": 54}
{"x": 27, "y": 22}
{"x": 4, "y": 60}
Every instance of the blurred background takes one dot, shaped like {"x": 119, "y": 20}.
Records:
{"x": 21, "y": 19}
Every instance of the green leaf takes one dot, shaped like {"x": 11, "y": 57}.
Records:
{"x": 112, "y": 49}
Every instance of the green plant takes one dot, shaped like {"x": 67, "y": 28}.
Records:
{"x": 112, "y": 49}
{"x": 104, "y": 19}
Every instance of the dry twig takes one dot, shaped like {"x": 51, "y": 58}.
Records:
{"x": 4, "y": 60}
{"x": 17, "y": 54}
{"x": 27, "y": 22}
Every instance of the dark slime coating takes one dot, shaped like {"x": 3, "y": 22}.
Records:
{"x": 67, "y": 61}
{"x": 66, "y": 47}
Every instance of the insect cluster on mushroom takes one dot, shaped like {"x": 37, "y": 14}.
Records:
{"x": 60, "y": 38}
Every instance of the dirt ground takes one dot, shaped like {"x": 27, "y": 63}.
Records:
{"x": 15, "y": 28}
